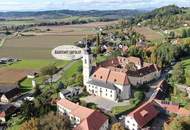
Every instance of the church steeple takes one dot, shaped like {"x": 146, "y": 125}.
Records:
{"x": 87, "y": 64}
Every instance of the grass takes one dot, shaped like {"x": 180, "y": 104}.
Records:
{"x": 72, "y": 70}
{"x": 186, "y": 64}
{"x": 150, "y": 34}
{"x": 36, "y": 64}
{"x": 134, "y": 103}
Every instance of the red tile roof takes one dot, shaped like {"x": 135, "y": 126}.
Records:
{"x": 173, "y": 107}
{"x": 111, "y": 76}
{"x": 144, "y": 114}
{"x": 87, "y": 116}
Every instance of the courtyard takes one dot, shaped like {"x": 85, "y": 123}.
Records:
{"x": 104, "y": 104}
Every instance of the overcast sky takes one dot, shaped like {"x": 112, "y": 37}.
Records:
{"x": 30, "y": 5}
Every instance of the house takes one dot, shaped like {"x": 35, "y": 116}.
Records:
{"x": 70, "y": 92}
{"x": 140, "y": 117}
{"x": 112, "y": 79}
{"x": 171, "y": 107}
{"x": 161, "y": 91}
{"x": 82, "y": 118}
{"x": 9, "y": 94}
{"x": 32, "y": 75}
{"x": 5, "y": 111}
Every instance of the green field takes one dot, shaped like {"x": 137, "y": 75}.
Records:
{"x": 186, "y": 64}
{"x": 36, "y": 64}
{"x": 73, "y": 69}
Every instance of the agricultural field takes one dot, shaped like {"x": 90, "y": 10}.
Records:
{"x": 12, "y": 76}
{"x": 29, "y": 21}
{"x": 39, "y": 45}
{"x": 149, "y": 34}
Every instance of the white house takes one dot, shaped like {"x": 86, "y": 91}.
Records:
{"x": 82, "y": 118}
{"x": 140, "y": 117}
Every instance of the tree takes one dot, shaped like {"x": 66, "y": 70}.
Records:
{"x": 188, "y": 32}
{"x": 178, "y": 75}
{"x": 50, "y": 121}
{"x": 184, "y": 33}
{"x": 37, "y": 91}
{"x": 54, "y": 121}
{"x": 177, "y": 125}
{"x": 32, "y": 124}
{"x": 117, "y": 126}
{"x": 49, "y": 70}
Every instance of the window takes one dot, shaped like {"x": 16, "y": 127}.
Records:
{"x": 94, "y": 75}
{"x": 100, "y": 77}
{"x": 85, "y": 61}
{"x": 106, "y": 90}
{"x": 115, "y": 80}
{"x": 110, "y": 95}
{"x": 106, "y": 94}
{"x": 110, "y": 91}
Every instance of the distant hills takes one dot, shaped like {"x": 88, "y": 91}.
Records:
{"x": 111, "y": 14}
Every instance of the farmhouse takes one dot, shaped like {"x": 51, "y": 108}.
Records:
{"x": 81, "y": 117}
{"x": 5, "y": 111}
{"x": 112, "y": 79}
{"x": 9, "y": 92}
{"x": 140, "y": 117}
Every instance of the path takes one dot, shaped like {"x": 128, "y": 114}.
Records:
{"x": 2, "y": 42}
{"x": 58, "y": 75}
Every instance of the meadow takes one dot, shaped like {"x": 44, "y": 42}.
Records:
{"x": 149, "y": 34}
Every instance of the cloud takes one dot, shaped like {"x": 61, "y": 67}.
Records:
{"x": 9, "y": 5}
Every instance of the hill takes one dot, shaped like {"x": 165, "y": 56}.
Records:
{"x": 166, "y": 17}
{"x": 111, "y": 14}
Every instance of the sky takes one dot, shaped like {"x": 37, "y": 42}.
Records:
{"x": 34, "y": 5}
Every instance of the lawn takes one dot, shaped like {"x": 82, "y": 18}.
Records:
{"x": 37, "y": 64}
{"x": 73, "y": 69}
{"x": 186, "y": 64}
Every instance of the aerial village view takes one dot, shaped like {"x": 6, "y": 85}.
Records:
{"x": 95, "y": 65}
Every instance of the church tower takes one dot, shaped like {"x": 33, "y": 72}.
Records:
{"x": 87, "y": 64}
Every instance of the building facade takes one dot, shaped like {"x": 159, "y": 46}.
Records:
{"x": 112, "y": 79}
{"x": 82, "y": 118}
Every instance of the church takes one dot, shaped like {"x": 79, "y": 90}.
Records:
{"x": 113, "y": 79}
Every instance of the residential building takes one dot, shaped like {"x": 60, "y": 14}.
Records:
{"x": 161, "y": 91}
{"x": 5, "y": 111}
{"x": 139, "y": 118}
{"x": 9, "y": 92}
{"x": 70, "y": 92}
{"x": 81, "y": 117}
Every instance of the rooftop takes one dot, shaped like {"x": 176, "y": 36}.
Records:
{"x": 87, "y": 116}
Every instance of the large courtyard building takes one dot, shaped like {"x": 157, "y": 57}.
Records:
{"x": 113, "y": 79}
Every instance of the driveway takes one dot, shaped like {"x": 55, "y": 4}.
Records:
{"x": 103, "y": 103}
